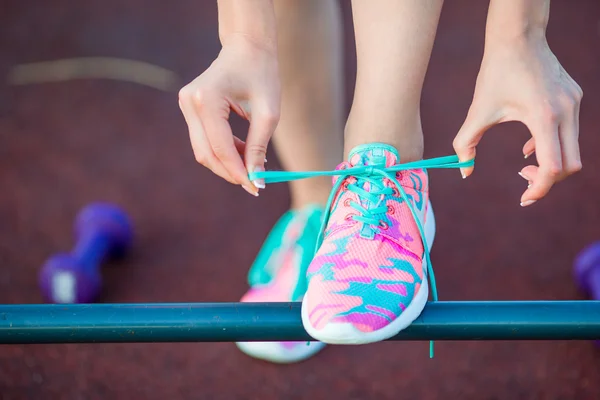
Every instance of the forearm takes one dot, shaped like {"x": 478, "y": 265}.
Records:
{"x": 513, "y": 20}
{"x": 253, "y": 20}
{"x": 394, "y": 39}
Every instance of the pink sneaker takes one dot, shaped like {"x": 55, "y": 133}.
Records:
{"x": 368, "y": 279}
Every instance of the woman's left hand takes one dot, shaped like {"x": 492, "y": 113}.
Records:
{"x": 525, "y": 82}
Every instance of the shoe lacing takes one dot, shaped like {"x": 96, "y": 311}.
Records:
{"x": 373, "y": 175}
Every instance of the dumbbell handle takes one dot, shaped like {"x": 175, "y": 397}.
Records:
{"x": 91, "y": 248}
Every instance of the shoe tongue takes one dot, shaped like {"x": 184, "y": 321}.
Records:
{"x": 374, "y": 154}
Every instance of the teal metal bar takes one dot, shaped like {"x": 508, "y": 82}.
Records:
{"x": 228, "y": 322}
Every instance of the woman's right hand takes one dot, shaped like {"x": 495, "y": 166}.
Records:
{"x": 244, "y": 78}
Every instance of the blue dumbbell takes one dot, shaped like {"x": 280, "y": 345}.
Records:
{"x": 587, "y": 272}
{"x": 103, "y": 232}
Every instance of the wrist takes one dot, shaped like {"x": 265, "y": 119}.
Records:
{"x": 249, "y": 41}
{"x": 251, "y": 22}
{"x": 517, "y": 22}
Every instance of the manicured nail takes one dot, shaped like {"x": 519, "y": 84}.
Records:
{"x": 247, "y": 189}
{"x": 265, "y": 160}
{"x": 259, "y": 183}
{"x": 528, "y": 155}
{"x": 462, "y": 173}
{"x": 527, "y": 203}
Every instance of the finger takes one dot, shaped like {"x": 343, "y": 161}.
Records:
{"x": 240, "y": 145}
{"x": 200, "y": 145}
{"x": 529, "y": 148}
{"x": 262, "y": 126}
{"x": 196, "y": 132}
{"x": 569, "y": 140}
{"x": 571, "y": 157}
{"x": 214, "y": 116}
{"x": 468, "y": 137}
{"x": 529, "y": 173}
{"x": 218, "y": 169}
{"x": 549, "y": 158}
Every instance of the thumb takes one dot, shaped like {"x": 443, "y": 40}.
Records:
{"x": 262, "y": 126}
{"x": 468, "y": 138}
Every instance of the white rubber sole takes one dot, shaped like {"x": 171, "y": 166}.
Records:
{"x": 346, "y": 333}
{"x": 276, "y": 353}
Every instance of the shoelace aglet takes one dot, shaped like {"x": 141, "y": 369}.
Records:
{"x": 431, "y": 349}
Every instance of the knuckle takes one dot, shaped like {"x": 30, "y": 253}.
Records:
{"x": 220, "y": 151}
{"x": 184, "y": 94}
{"x": 256, "y": 149}
{"x": 270, "y": 116}
{"x": 555, "y": 170}
{"x": 570, "y": 101}
{"x": 578, "y": 91}
{"x": 458, "y": 143}
{"x": 574, "y": 167}
{"x": 199, "y": 97}
{"x": 549, "y": 114}
{"x": 462, "y": 143}
{"x": 201, "y": 159}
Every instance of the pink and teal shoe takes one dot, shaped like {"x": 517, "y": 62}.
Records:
{"x": 370, "y": 276}
{"x": 368, "y": 280}
{"x": 279, "y": 275}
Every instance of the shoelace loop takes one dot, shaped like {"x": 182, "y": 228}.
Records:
{"x": 369, "y": 173}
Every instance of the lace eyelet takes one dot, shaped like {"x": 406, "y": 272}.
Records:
{"x": 347, "y": 202}
{"x": 348, "y": 217}
{"x": 345, "y": 185}
{"x": 383, "y": 225}
{"x": 396, "y": 193}
{"x": 390, "y": 210}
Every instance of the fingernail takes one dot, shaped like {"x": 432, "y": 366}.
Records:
{"x": 259, "y": 183}
{"x": 247, "y": 189}
{"x": 528, "y": 155}
{"x": 527, "y": 203}
{"x": 265, "y": 160}
{"x": 462, "y": 173}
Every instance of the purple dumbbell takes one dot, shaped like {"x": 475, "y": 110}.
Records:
{"x": 587, "y": 272}
{"x": 103, "y": 231}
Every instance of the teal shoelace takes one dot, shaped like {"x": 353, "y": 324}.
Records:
{"x": 371, "y": 174}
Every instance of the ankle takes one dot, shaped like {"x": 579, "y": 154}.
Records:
{"x": 309, "y": 192}
{"x": 406, "y": 137}
{"x": 408, "y": 151}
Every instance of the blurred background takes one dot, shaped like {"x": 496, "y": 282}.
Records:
{"x": 66, "y": 142}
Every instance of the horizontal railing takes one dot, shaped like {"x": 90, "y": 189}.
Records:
{"x": 229, "y": 322}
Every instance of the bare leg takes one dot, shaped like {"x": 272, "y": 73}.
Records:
{"x": 309, "y": 134}
{"x": 394, "y": 39}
